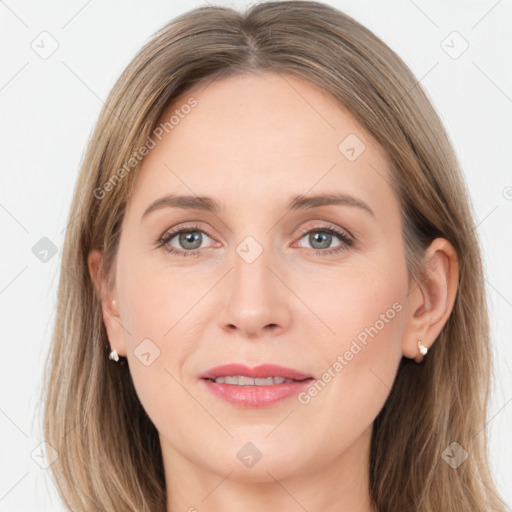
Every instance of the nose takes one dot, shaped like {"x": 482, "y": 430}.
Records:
{"x": 256, "y": 300}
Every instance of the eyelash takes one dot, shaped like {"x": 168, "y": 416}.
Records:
{"x": 347, "y": 241}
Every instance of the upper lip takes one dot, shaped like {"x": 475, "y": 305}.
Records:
{"x": 258, "y": 372}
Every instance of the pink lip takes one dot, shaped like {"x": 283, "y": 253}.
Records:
{"x": 259, "y": 372}
{"x": 255, "y": 396}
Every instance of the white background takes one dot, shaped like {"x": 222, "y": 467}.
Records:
{"x": 49, "y": 107}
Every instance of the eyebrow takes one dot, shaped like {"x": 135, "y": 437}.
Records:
{"x": 204, "y": 203}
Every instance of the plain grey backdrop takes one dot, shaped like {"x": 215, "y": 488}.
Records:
{"x": 58, "y": 62}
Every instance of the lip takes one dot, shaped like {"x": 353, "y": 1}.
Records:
{"x": 255, "y": 396}
{"x": 261, "y": 372}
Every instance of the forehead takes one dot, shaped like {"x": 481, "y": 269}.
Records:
{"x": 277, "y": 109}
{"x": 249, "y": 136}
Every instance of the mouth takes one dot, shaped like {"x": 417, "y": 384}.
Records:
{"x": 244, "y": 380}
{"x": 263, "y": 371}
{"x": 261, "y": 386}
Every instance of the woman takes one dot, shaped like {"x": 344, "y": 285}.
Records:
{"x": 323, "y": 344}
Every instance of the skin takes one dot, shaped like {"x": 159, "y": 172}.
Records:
{"x": 291, "y": 306}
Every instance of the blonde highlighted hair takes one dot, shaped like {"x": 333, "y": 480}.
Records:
{"x": 109, "y": 451}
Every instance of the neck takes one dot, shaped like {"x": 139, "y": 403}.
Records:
{"x": 341, "y": 486}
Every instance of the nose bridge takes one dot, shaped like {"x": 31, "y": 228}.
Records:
{"x": 255, "y": 299}
{"x": 251, "y": 276}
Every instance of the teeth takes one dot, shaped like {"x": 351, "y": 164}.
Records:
{"x": 242, "y": 380}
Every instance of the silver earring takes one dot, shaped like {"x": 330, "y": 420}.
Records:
{"x": 423, "y": 349}
{"x": 113, "y": 356}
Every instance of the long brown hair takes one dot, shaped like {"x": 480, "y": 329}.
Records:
{"x": 109, "y": 454}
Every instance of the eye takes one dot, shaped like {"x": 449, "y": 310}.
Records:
{"x": 189, "y": 241}
{"x": 321, "y": 237}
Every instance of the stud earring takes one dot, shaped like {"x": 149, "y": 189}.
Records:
{"x": 422, "y": 348}
{"x": 113, "y": 356}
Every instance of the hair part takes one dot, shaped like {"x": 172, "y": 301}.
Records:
{"x": 109, "y": 450}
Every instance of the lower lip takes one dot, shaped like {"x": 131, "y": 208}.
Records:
{"x": 256, "y": 396}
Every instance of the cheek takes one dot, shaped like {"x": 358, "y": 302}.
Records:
{"x": 157, "y": 311}
{"x": 157, "y": 299}
{"x": 364, "y": 307}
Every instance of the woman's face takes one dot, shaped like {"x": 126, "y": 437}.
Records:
{"x": 262, "y": 279}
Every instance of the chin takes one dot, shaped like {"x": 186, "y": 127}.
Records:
{"x": 261, "y": 460}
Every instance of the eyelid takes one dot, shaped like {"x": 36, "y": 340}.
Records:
{"x": 170, "y": 233}
{"x": 325, "y": 225}
{"x": 302, "y": 231}
{"x": 347, "y": 240}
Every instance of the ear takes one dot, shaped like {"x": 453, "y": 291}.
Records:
{"x": 431, "y": 300}
{"x": 109, "y": 304}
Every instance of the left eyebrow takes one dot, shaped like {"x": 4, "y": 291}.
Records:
{"x": 204, "y": 203}
{"x": 303, "y": 203}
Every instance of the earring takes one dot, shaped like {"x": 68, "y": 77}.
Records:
{"x": 113, "y": 356}
{"x": 422, "y": 348}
